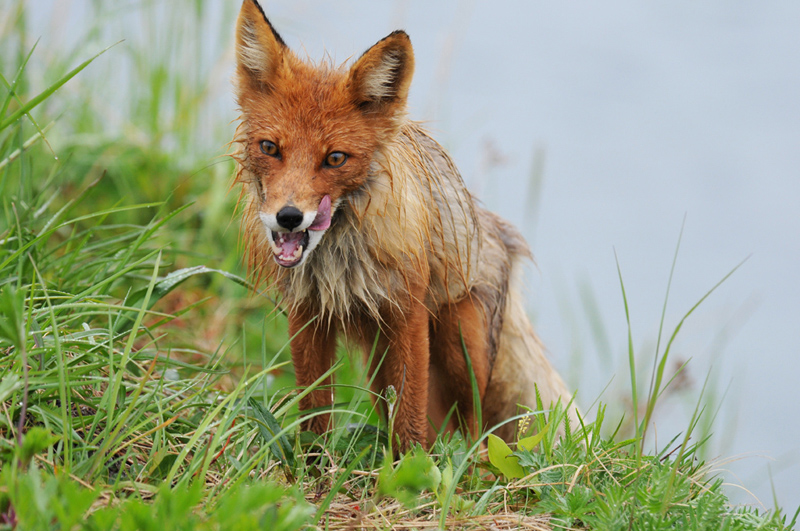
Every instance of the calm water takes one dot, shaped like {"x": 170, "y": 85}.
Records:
{"x": 640, "y": 115}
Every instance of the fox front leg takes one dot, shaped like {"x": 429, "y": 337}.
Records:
{"x": 404, "y": 340}
{"x": 313, "y": 348}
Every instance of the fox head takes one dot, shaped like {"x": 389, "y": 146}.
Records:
{"x": 309, "y": 132}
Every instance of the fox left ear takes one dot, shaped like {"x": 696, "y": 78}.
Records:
{"x": 260, "y": 51}
{"x": 380, "y": 79}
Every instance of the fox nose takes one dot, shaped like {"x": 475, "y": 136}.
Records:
{"x": 289, "y": 217}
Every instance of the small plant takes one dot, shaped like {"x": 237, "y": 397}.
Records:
{"x": 415, "y": 473}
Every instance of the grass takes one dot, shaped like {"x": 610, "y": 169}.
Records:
{"x": 142, "y": 386}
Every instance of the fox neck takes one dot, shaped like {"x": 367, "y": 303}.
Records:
{"x": 370, "y": 254}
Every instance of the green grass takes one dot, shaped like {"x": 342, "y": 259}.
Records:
{"x": 145, "y": 385}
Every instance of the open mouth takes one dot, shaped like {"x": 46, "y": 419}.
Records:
{"x": 289, "y": 248}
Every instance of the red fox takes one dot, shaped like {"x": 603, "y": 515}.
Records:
{"x": 363, "y": 223}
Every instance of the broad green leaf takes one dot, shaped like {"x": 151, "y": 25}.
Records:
{"x": 529, "y": 443}
{"x": 500, "y": 456}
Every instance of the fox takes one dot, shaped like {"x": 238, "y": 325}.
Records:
{"x": 363, "y": 224}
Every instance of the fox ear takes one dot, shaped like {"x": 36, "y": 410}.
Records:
{"x": 259, "y": 49}
{"x": 381, "y": 77}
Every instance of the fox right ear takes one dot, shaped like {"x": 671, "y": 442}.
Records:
{"x": 259, "y": 49}
{"x": 380, "y": 78}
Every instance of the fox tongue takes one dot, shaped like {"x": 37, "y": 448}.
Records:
{"x": 289, "y": 243}
{"x": 323, "y": 219}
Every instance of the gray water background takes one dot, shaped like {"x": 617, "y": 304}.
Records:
{"x": 598, "y": 127}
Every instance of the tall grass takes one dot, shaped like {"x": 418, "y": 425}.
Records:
{"x": 143, "y": 388}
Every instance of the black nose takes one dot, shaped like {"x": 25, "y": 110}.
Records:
{"x": 289, "y": 217}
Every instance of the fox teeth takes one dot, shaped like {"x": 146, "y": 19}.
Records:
{"x": 275, "y": 244}
{"x": 275, "y": 248}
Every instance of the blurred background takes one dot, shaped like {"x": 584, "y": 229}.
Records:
{"x": 600, "y": 130}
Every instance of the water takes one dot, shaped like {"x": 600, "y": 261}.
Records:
{"x": 643, "y": 115}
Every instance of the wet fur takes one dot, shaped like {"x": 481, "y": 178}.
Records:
{"x": 410, "y": 258}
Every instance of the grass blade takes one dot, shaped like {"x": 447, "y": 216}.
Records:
{"x": 631, "y": 356}
{"x": 662, "y": 364}
{"x": 25, "y": 109}
{"x": 271, "y": 430}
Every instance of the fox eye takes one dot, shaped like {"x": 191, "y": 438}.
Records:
{"x": 270, "y": 148}
{"x": 335, "y": 159}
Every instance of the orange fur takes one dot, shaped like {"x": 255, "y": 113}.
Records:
{"x": 363, "y": 223}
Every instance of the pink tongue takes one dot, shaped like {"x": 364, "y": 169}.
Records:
{"x": 323, "y": 219}
{"x": 288, "y": 242}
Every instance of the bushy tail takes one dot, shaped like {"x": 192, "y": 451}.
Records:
{"x": 520, "y": 363}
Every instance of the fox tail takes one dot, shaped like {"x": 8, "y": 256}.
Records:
{"x": 520, "y": 367}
